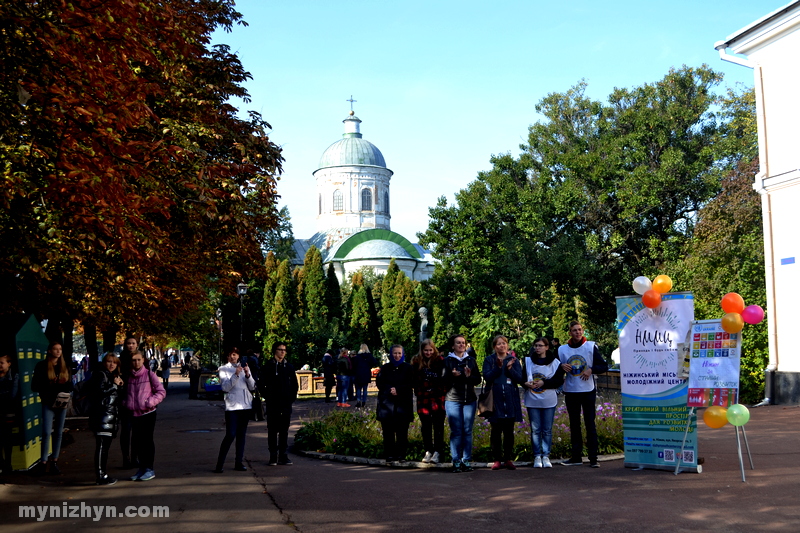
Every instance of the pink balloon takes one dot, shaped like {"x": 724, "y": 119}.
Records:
{"x": 753, "y": 314}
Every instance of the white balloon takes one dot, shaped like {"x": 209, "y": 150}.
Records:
{"x": 642, "y": 284}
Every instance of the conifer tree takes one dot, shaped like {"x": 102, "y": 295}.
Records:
{"x": 315, "y": 312}
{"x": 333, "y": 294}
{"x": 282, "y": 309}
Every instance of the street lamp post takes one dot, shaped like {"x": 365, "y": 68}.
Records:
{"x": 241, "y": 290}
{"x": 219, "y": 336}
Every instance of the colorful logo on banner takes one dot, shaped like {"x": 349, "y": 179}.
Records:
{"x": 714, "y": 365}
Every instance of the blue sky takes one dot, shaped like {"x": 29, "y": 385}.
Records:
{"x": 441, "y": 86}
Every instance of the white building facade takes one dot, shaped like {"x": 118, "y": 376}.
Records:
{"x": 771, "y": 47}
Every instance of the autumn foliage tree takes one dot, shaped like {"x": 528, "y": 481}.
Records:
{"x": 130, "y": 184}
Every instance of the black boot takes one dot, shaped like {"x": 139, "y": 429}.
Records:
{"x": 101, "y": 461}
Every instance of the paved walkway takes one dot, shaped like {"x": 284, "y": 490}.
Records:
{"x": 322, "y": 496}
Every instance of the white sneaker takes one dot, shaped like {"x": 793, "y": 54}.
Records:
{"x": 435, "y": 457}
{"x": 546, "y": 462}
{"x": 427, "y": 458}
{"x": 537, "y": 462}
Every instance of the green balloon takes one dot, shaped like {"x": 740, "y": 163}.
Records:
{"x": 738, "y": 415}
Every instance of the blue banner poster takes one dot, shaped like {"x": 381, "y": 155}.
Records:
{"x": 654, "y": 399}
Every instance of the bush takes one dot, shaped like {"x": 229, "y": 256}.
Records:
{"x": 357, "y": 432}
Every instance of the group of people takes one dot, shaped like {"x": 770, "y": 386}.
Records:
{"x": 444, "y": 386}
{"x": 351, "y": 373}
{"x": 124, "y": 394}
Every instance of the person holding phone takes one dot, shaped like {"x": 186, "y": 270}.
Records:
{"x": 460, "y": 376}
{"x": 237, "y": 382}
{"x": 545, "y": 375}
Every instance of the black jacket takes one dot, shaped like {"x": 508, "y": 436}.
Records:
{"x": 363, "y": 364}
{"x": 398, "y": 407}
{"x": 105, "y": 399}
{"x": 461, "y": 388}
{"x": 278, "y": 383}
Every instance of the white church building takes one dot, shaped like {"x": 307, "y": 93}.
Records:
{"x": 353, "y": 212}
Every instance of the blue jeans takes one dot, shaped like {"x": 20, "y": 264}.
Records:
{"x": 59, "y": 416}
{"x": 461, "y": 417}
{"x": 361, "y": 393}
{"x": 541, "y": 429}
{"x": 342, "y": 384}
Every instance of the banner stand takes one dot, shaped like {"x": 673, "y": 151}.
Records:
{"x": 683, "y": 444}
{"x": 739, "y": 449}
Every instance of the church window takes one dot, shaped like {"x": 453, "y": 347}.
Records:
{"x": 337, "y": 200}
{"x": 320, "y": 204}
{"x": 386, "y": 202}
{"x": 366, "y": 200}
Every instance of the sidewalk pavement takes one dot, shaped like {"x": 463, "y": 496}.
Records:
{"x": 323, "y": 496}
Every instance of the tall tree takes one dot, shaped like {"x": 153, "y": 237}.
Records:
{"x": 128, "y": 175}
{"x": 600, "y": 193}
{"x": 282, "y": 311}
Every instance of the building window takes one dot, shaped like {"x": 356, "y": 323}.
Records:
{"x": 386, "y": 202}
{"x": 366, "y": 200}
{"x": 337, "y": 200}
{"x": 320, "y": 204}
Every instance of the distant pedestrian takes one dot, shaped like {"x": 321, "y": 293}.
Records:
{"x": 195, "y": 370}
{"x": 53, "y": 382}
{"x": 364, "y": 362}
{"x": 460, "y": 374}
{"x": 328, "y": 373}
{"x": 166, "y": 365}
{"x": 430, "y": 390}
{"x": 395, "y": 409}
{"x": 237, "y": 382}
{"x": 105, "y": 391}
{"x": 581, "y": 360}
{"x": 9, "y": 402}
{"x": 143, "y": 394}
{"x": 343, "y": 369}
{"x": 279, "y": 387}
{"x": 503, "y": 375}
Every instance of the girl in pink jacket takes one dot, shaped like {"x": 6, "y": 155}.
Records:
{"x": 143, "y": 392}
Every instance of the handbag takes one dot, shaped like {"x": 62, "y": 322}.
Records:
{"x": 62, "y": 400}
{"x": 486, "y": 402}
{"x": 257, "y": 413}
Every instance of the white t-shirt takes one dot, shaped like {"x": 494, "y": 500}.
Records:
{"x": 542, "y": 398}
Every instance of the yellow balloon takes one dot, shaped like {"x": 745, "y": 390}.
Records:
{"x": 732, "y": 322}
{"x": 715, "y": 416}
{"x": 662, "y": 283}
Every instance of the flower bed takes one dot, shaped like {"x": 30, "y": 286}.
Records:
{"x": 357, "y": 432}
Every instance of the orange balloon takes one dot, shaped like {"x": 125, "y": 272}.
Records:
{"x": 651, "y": 298}
{"x": 715, "y": 416}
{"x": 732, "y": 322}
{"x": 662, "y": 283}
{"x": 732, "y": 303}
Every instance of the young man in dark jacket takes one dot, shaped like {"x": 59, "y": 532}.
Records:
{"x": 278, "y": 386}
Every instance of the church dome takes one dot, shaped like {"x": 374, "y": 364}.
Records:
{"x": 352, "y": 149}
{"x": 377, "y": 248}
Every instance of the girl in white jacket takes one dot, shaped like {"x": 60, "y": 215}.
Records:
{"x": 237, "y": 382}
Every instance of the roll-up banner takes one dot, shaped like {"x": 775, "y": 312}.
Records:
{"x": 654, "y": 398}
